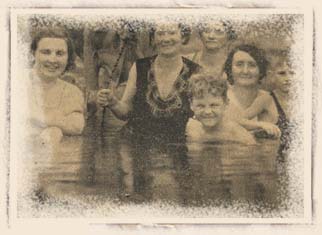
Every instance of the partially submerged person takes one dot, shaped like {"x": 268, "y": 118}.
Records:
{"x": 56, "y": 107}
{"x": 216, "y": 38}
{"x": 155, "y": 101}
{"x": 283, "y": 75}
{"x": 115, "y": 53}
{"x": 251, "y": 106}
{"x": 208, "y": 102}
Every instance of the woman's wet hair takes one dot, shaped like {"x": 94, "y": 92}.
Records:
{"x": 254, "y": 52}
{"x": 202, "y": 83}
{"x": 55, "y": 32}
{"x": 185, "y": 31}
{"x": 230, "y": 32}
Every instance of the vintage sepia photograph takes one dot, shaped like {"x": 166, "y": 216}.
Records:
{"x": 162, "y": 115}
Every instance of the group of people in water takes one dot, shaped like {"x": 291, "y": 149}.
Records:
{"x": 211, "y": 95}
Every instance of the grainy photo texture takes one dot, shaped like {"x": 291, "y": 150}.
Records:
{"x": 138, "y": 114}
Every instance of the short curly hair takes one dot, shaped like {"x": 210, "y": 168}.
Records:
{"x": 55, "y": 32}
{"x": 201, "y": 84}
{"x": 185, "y": 31}
{"x": 257, "y": 54}
{"x": 230, "y": 32}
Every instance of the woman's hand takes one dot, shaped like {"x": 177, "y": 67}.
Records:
{"x": 106, "y": 97}
{"x": 270, "y": 129}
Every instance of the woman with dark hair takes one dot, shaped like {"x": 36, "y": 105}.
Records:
{"x": 56, "y": 107}
{"x": 253, "y": 107}
{"x": 155, "y": 101}
{"x": 216, "y": 39}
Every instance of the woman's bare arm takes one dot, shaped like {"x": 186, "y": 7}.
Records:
{"x": 120, "y": 108}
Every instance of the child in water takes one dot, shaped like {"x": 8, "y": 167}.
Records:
{"x": 208, "y": 102}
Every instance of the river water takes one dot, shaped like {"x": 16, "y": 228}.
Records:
{"x": 102, "y": 165}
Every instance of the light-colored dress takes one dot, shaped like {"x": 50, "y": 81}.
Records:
{"x": 59, "y": 101}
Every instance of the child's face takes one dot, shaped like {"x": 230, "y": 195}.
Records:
{"x": 208, "y": 110}
{"x": 283, "y": 77}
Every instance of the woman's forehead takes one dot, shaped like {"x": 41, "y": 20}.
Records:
{"x": 52, "y": 42}
{"x": 216, "y": 25}
{"x": 243, "y": 55}
{"x": 167, "y": 26}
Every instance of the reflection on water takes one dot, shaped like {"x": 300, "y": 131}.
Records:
{"x": 185, "y": 174}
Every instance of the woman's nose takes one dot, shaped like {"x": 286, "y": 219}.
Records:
{"x": 245, "y": 69}
{"x": 52, "y": 57}
{"x": 212, "y": 35}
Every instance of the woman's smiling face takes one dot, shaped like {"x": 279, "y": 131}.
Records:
{"x": 51, "y": 57}
{"x": 214, "y": 36}
{"x": 167, "y": 39}
{"x": 245, "y": 70}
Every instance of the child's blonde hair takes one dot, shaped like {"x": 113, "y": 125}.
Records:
{"x": 201, "y": 84}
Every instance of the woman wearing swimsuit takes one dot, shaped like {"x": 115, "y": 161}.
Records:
{"x": 251, "y": 106}
{"x": 216, "y": 39}
{"x": 155, "y": 101}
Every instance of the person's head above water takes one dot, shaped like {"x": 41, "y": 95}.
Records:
{"x": 216, "y": 34}
{"x": 208, "y": 98}
{"x": 53, "y": 52}
{"x": 283, "y": 73}
{"x": 246, "y": 65}
{"x": 167, "y": 37}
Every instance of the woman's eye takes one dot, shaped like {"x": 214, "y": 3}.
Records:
{"x": 200, "y": 106}
{"x": 252, "y": 65}
{"x": 239, "y": 64}
{"x": 219, "y": 32}
{"x": 282, "y": 73}
{"x": 45, "y": 52}
{"x": 60, "y": 53}
{"x": 214, "y": 105}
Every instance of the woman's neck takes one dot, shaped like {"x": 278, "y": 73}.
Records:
{"x": 245, "y": 95}
{"x": 43, "y": 82}
{"x": 168, "y": 62}
{"x": 211, "y": 55}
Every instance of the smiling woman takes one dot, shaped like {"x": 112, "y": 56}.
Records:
{"x": 216, "y": 37}
{"x": 155, "y": 100}
{"x": 56, "y": 107}
{"x": 251, "y": 106}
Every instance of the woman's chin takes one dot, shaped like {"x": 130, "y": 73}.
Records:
{"x": 51, "y": 75}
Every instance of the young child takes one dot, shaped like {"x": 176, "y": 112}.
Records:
{"x": 284, "y": 81}
{"x": 208, "y": 102}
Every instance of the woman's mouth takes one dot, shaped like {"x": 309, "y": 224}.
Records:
{"x": 245, "y": 76}
{"x": 51, "y": 68}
